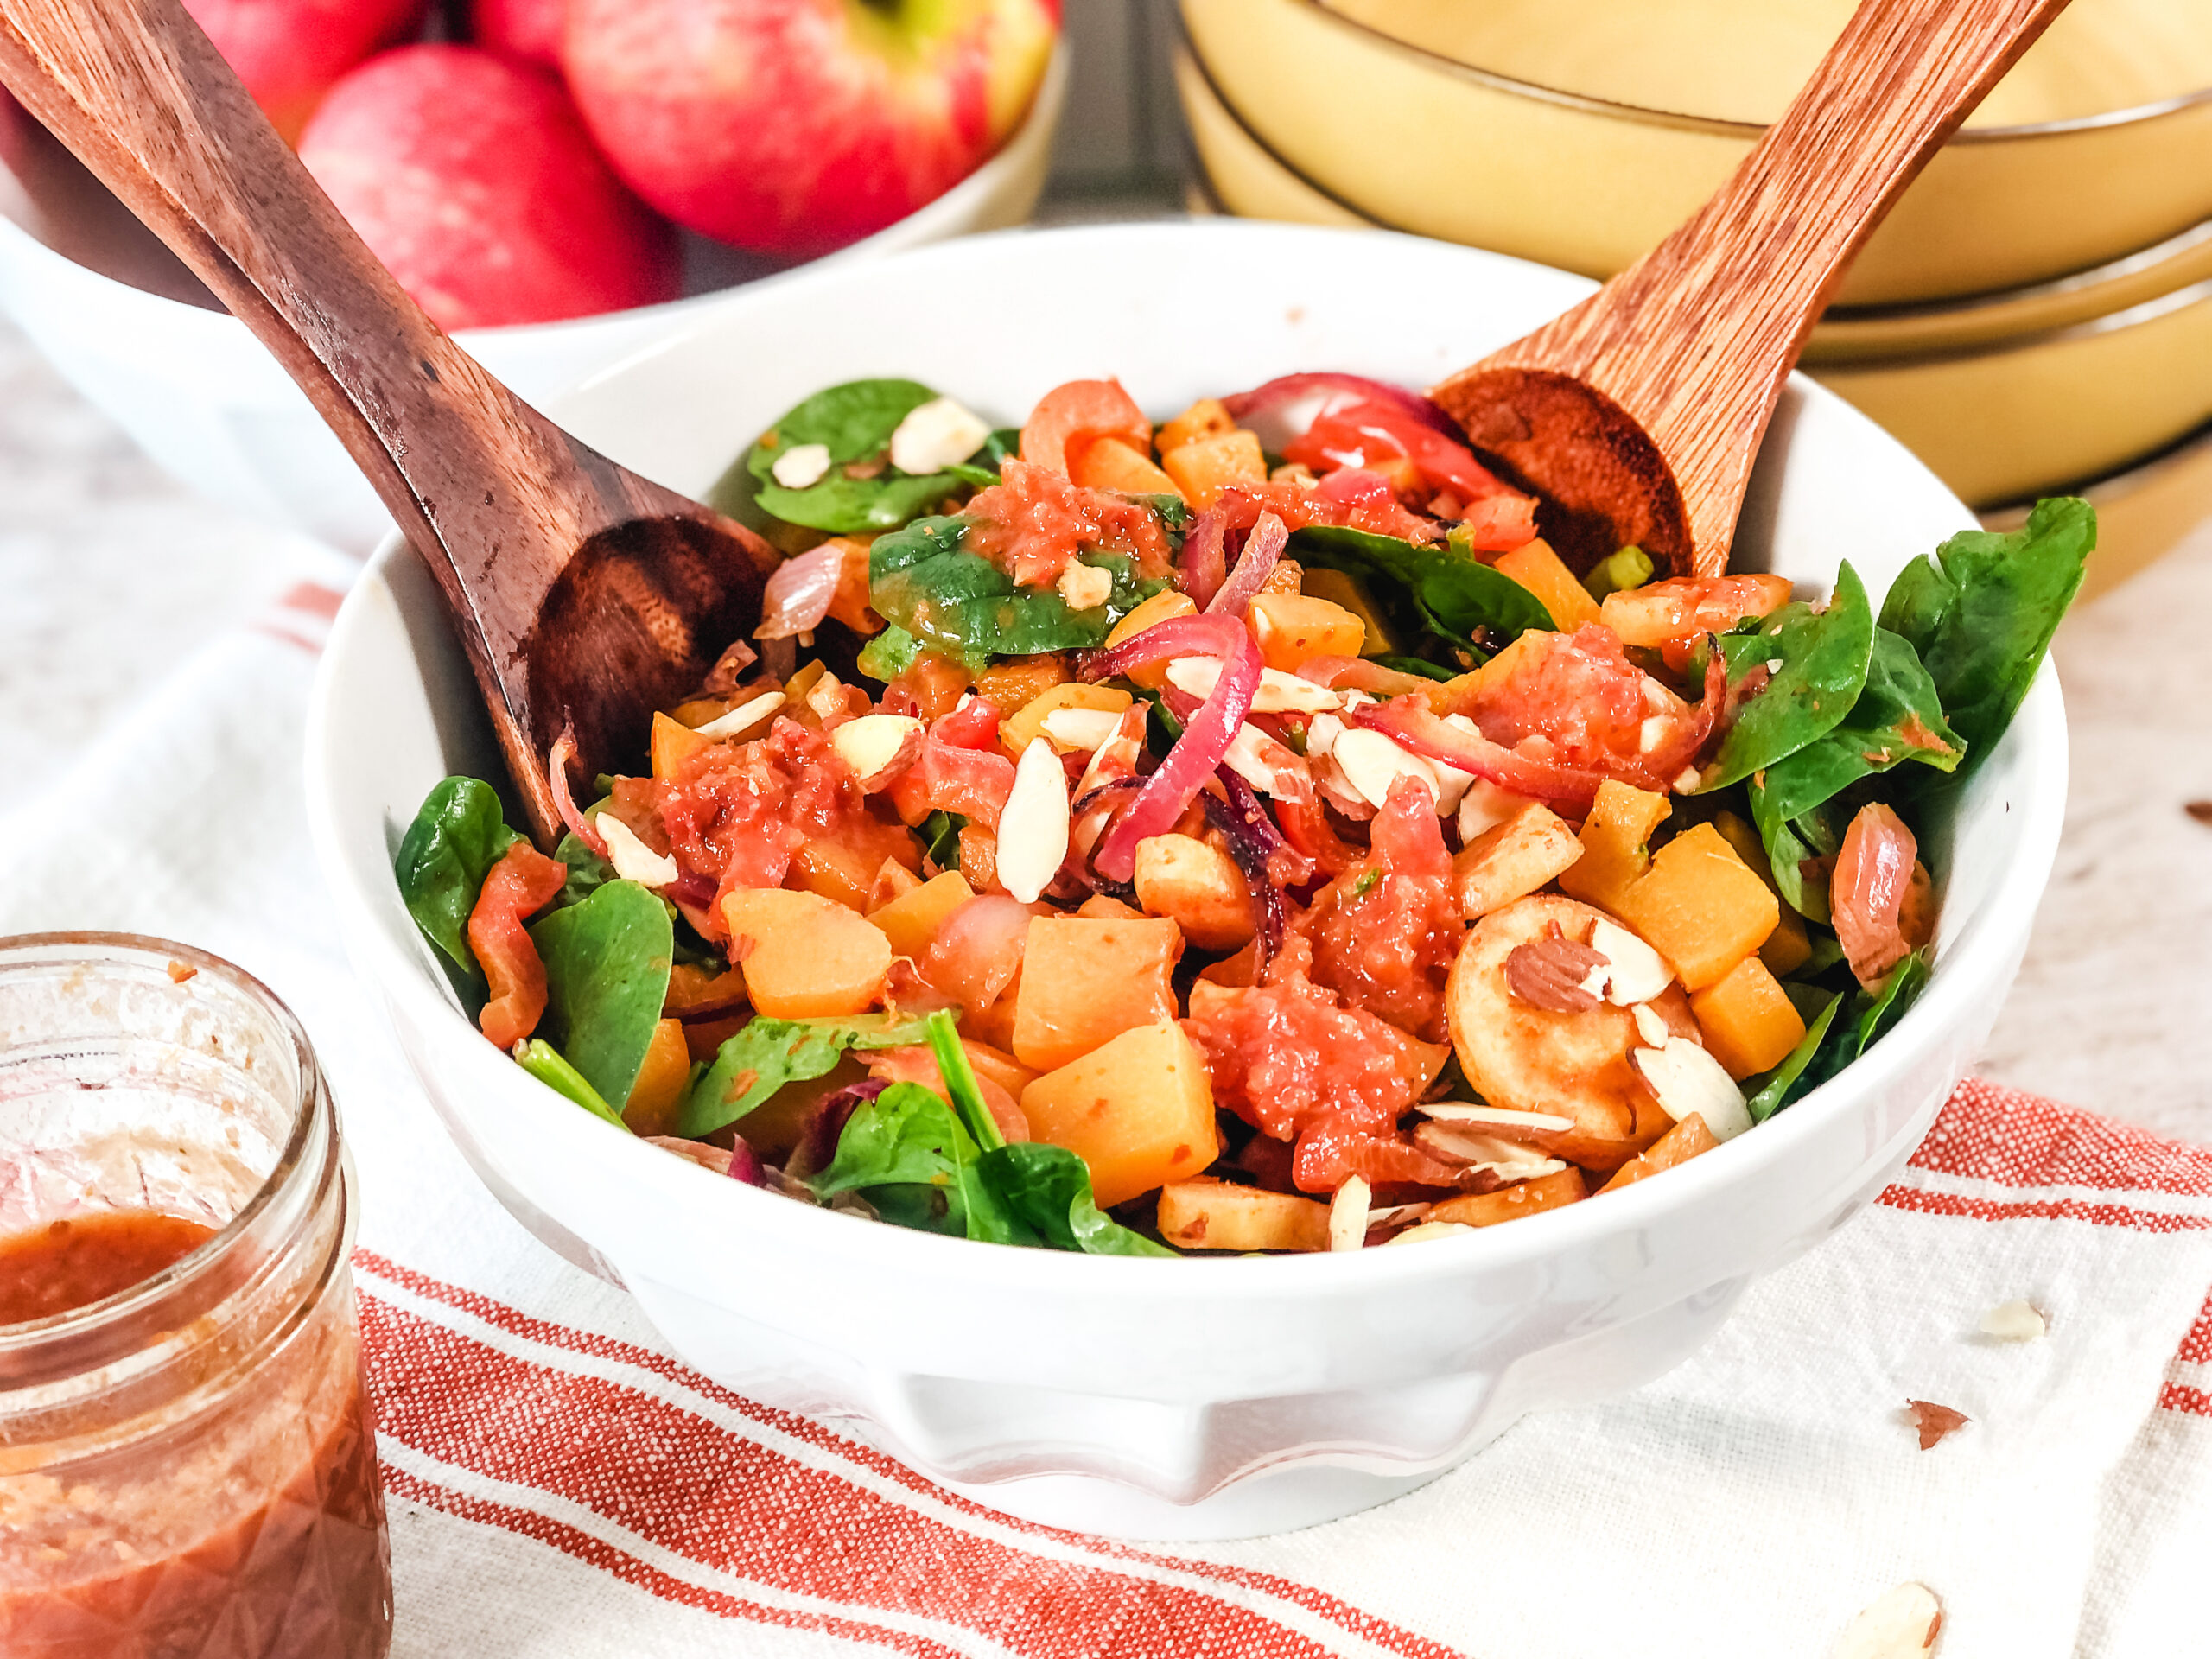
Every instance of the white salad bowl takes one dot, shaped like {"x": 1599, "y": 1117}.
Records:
{"x": 1198, "y": 1398}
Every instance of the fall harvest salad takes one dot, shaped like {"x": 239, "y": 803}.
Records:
{"x": 1243, "y": 833}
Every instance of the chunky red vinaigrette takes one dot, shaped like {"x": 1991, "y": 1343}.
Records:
{"x": 81, "y": 1260}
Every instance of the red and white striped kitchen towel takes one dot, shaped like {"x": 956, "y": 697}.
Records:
{"x": 560, "y": 1486}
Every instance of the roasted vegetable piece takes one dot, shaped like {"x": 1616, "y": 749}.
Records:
{"x": 1512, "y": 860}
{"x": 1686, "y": 1140}
{"x": 1214, "y": 1215}
{"x": 1614, "y": 841}
{"x": 1749, "y": 1022}
{"x": 1699, "y": 907}
{"x": 657, "y": 1097}
{"x": 1138, "y": 1111}
{"x": 1543, "y": 573}
{"x": 911, "y": 920}
{"x": 808, "y": 957}
{"x": 1084, "y": 981}
{"x": 1551, "y": 1192}
{"x": 523, "y": 881}
{"x": 1197, "y": 887}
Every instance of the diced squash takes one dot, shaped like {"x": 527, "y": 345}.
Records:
{"x": 1159, "y": 607}
{"x": 1238, "y": 972}
{"x": 1749, "y": 1022}
{"x": 998, "y": 1067}
{"x": 808, "y": 957}
{"x": 935, "y": 684}
{"x": 994, "y": 1026}
{"x": 1463, "y": 693}
{"x": 1291, "y": 627}
{"x": 1511, "y": 1202}
{"x": 692, "y": 990}
{"x": 1535, "y": 567}
{"x": 1215, "y": 1216}
{"x": 700, "y": 711}
{"x": 1111, "y": 464}
{"x": 1341, "y": 589}
{"x": 834, "y": 870}
{"x": 1288, "y": 577}
{"x": 1199, "y": 887}
{"x": 673, "y": 744}
{"x": 911, "y": 921}
{"x": 1085, "y": 981}
{"x": 1686, "y": 1140}
{"x": 1512, "y": 860}
{"x": 1138, "y": 1111}
{"x": 661, "y": 1081}
{"x": 1104, "y": 907}
{"x": 1698, "y": 906}
{"x": 1203, "y": 468}
{"x": 1012, "y": 686}
{"x": 1016, "y": 730}
{"x": 800, "y": 684}
{"x": 1206, "y": 418}
{"x": 1613, "y": 843}
{"x": 893, "y": 880}
{"x": 1789, "y": 947}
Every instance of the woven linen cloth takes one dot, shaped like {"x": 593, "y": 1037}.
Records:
{"x": 560, "y": 1486}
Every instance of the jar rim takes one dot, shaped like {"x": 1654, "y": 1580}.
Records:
{"x": 92, "y": 947}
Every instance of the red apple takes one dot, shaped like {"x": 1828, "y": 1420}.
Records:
{"x": 791, "y": 127}
{"x": 288, "y": 52}
{"x": 522, "y": 29}
{"x": 471, "y": 177}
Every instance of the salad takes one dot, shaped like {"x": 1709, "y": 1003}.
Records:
{"x": 1243, "y": 833}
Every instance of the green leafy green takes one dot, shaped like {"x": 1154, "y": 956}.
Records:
{"x": 1420, "y": 665}
{"x": 606, "y": 965}
{"x": 765, "y": 1054}
{"x": 922, "y": 580}
{"x": 888, "y": 654}
{"x": 458, "y": 834}
{"x": 855, "y": 421}
{"x": 1048, "y": 1189}
{"x": 1789, "y": 843}
{"x": 960, "y": 1082}
{"x": 545, "y": 1062}
{"x": 908, "y": 1137}
{"x": 1897, "y": 718}
{"x": 1823, "y": 656}
{"x": 1629, "y": 567}
{"x": 940, "y": 834}
{"x": 1774, "y": 1093}
{"x": 1981, "y": 612}
{"x": 1868, "y": 1014}
{"x": 1442, "y": 589}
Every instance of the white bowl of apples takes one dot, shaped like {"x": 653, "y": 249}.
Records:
{"x": 1203, "y": 1397}
{"x": 545, "y": 218}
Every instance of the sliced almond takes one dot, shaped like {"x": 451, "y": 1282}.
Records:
{"x": 1084, "y": 586}
{"x": 1259, "y": 760}
{"x": 801, "y": 466}
{"x": 1684, "y": 1078}
{"x": 1485, "y": 806}
{"x": 1081, "y": 728}
{"x": 1393, "y": 1215}
{"x": 743, "y": 718}
{"x": 1033, "y": 838}
{"x": 826, "y": 696}
{"x": 936, "y": 435}
{"x": 1321, "y": 735}
{"x": 1508, "y": 1161}
{"x": 1651, "y": 1026}
{"x": 1421, "y": 1233}
{"x": 877, "y": 747}
{"x": 1117, "y": 756}
{"x": 1900, "y": 1623}
{"x": 1502, "y": 1117}
{"x": 1371, "y": 764}
{"x": 1278, "y": 693}
{"x": 2014, "y": 1321}
{"x": 1348, "y": 1213}
{"x": 1637, "y": 972}
{"x": 632, "y": 860}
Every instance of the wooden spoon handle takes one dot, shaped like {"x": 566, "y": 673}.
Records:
{"x": 1696, "y": 338}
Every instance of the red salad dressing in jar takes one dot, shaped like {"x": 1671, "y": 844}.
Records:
{"x": 188, "y": 1465}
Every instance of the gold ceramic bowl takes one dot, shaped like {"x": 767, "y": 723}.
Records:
{"x": 2004, "y": 395}
{"x": 1587, "y": 133}
{"x": 2143, "y": 513}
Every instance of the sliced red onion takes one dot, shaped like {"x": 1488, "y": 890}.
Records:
{"x": 1206, "y": 736}
{"x": 1245, "y": 405}
{"x": 1253, "y": 842}
{"x": 745, "y": 1164}
{"x": 693, "y": 888}
{"x": 722, "y": 679}
{"x": 798, "y": 595}
{"x": 1263, "y": 551}
{"x": 1408, "y": 722}
{"x": 817, "y": 1143}
{"x": 556, "y": 767}
{"x": 1203, "y": 568}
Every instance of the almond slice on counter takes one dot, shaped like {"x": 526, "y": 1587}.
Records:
{"x": 1901, "y": 1623}
{"x": 877, "y": 747}
{"x": 2014, "y": 1321}
{"x": 1033, "y": 836}
{"x": 1348, "y": 1214}
{"x": 935, "y": 436}
{"x": 743, "y": 718}
{"x": 1684, "y": 1078}
{"x": 632, "y": 860}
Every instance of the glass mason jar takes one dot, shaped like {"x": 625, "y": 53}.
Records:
{"x": 186, "y": 1467}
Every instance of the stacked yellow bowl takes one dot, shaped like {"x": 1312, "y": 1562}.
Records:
{"x": 2035, "y": 313}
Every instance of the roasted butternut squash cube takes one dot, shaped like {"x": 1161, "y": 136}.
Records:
{"x": 1159, "y": 607}
{"x": 1789, "y": 947}
{"x": 1543, "y": 573}
{"x": 1292, "y": 627}
{"x": 1138, "y": 1110}
{"x": 673, "y": 744}
{"x": 1084, "y": 981}
{"x": 911, "y": 921}
{"x": 1613, "y": 843}
{"x": 1463, "y": 693}
{"x": 835, "y": 871}
{"x": 1562, "y": 1186}
{"x": 1207, "y": 418}
{"x": 1203, "y": 468}
{"x": 1012, "y": 686}
{"x": 1749, "y": 1022}
{"x": 805, "y": 957}
{"x": 1104, "y": 907}
{"x": 1215, "y": 1216}
{"x": 658, "y": 1089}
{"x": 1110, "y": 464}
{"x": 1341, "y": 589}
{"x": 1687, "y": 1140}
{"x": 1198, "y": 886}
{"x": 1699, "y": 907}
{"x": 1512, "y": 860}
{"x": 1028, "y": 722}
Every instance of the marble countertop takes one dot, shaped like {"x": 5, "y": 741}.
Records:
{"x": 111, "y": 574}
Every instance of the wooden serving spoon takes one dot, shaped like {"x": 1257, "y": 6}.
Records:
{"x": 586, "y": 597}
{"x": 1637, "y": 414}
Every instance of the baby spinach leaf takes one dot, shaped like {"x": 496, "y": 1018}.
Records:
{"x": 1420, "y": 665}
{"x": 1048, "y": 1188}
{"x": 1452, "y": 592}
{"x": 1981, "y": 612}
{"x": 1789, "y": 843}
{"x": 458, "y": 834}
{"x": 1897, "y": 718}
{"x": 1776, "y": 1092}
{"x": 940, "y": 834}
{"x": 907, "y": 1137}
{"x": 1866, "y": 1016}
{"x": 922, "y": 580}
{"x": 545, "y": 1062}
{"x": 607, "y": 964}
{"x": 1823, "y": 656}
{"x": 960, "y": 1082}
{"x": 855, "y": 422}
{"x": 765, "y": 1054}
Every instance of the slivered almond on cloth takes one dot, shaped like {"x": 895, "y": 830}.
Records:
{"x": 559, "y": 1485}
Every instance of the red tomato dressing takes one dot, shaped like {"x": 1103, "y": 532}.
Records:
{"x": 74, "y": 1263}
